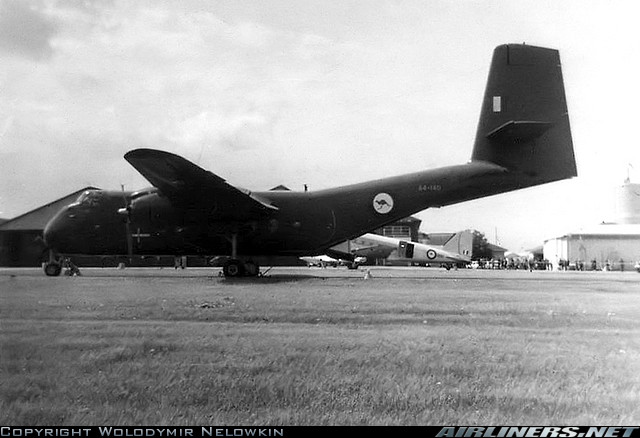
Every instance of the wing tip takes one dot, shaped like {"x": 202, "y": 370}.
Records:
{"x": 146, "y": 152}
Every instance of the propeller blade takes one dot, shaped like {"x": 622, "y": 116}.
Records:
{"x": 129, "y": 241}
{"x": 126, "y": 211}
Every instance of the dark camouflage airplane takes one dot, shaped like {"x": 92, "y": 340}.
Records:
{"x": 523, "y": 139}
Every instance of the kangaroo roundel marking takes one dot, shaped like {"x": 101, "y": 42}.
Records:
{"x": 431, "y": 254}
{"x": 383, "y": 203}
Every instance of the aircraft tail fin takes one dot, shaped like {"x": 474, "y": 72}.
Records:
{"x": 524, "y": 122}
{"x": 460, "y": 243}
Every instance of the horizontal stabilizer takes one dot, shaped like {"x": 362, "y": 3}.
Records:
{"x": 519, "y": 131}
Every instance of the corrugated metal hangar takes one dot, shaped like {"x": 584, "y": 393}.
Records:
{"x": 608, "y": 246}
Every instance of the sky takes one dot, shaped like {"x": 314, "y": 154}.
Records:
{"x": 323, "y": 93}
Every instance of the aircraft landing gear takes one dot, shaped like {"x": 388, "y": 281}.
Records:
{"x": 52, "y": 269}
{"x": 234, "y": 268}
{"x": 53, "y": 266}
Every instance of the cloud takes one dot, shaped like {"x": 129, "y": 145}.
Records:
{"x": 128, "y": 75}
{"x": 318, "y": 93}
{"x": 25, "y": 31}
{"x": 243, "y": 131}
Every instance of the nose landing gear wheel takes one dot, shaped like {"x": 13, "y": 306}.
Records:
{"x": 52, "y": 269}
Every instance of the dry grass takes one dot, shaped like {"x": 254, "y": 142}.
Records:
{"x": 454, "y": 348}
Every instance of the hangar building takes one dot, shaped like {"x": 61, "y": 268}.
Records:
{"x": 608, "y": 246}
{"x": 602, "y": 247}
{"x": 406, "y": 229}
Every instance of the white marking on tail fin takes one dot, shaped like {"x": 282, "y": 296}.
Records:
{"x": 497, "y": 104}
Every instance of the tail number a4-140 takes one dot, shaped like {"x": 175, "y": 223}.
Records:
{"x": 429, "y": 187}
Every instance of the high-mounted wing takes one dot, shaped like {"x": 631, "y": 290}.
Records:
{"x": 190, "y": 186}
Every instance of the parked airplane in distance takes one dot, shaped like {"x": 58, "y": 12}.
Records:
{"x": 523, "y": 139}
{"x": 324, "y": 260}
{"x": 457, "y": 249}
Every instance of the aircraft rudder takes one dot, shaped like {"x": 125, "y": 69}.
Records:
{"x": 460, "y": 243}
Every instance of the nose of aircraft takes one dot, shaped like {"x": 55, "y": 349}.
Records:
{"x": 51, "y": 234}
{"x": 54, "y": 232}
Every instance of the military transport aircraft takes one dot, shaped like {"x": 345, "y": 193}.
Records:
{"x": 523, "y": 139}
{"x": 457, "y": 249}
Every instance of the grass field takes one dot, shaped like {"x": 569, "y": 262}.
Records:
{"x": 320, "y": 347}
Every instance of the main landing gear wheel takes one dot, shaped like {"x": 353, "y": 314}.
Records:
{"x": 233, "y": 268}
{"x": 52, "y": 269}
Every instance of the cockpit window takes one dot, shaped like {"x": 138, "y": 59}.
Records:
{"x": 88, "y": 197}
{"x": 82, "y": 197}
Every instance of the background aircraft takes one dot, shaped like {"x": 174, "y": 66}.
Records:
{"x": 374, "y": 246}
{"x": 523, "y": 139}
{"x": 324, "y": 260}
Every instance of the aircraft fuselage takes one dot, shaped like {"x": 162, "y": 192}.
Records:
{"x": 304, "y": 223}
